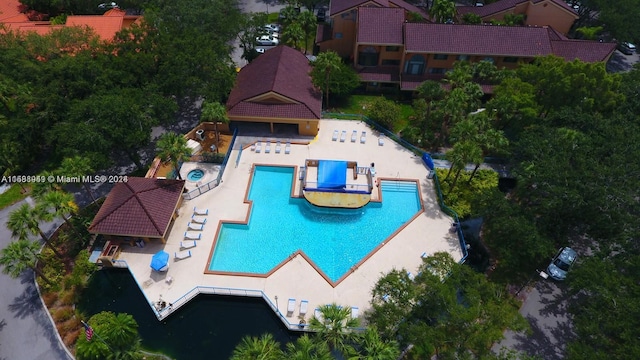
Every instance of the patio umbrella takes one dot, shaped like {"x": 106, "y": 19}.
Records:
{"x": 160, "y": 261}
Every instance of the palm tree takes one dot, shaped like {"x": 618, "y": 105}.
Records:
{"x": 115, "y": 338}
{"x": 466, "y": 152}
{"x": 336, "y": 328}
{"x": 215, "y": 112}
{"x": 443, "y": 10}
{"x": 305, "y": 348}
{"x": 78, "y": 166}
{"x": 60, "y": 204}
{"x": 308, "y": 22}
{"x": 38, "y": 189}
{"x": 25, "y": 221}
{"x": 19, "y": 256}
{"x": 293, "y": 35}
{"x": 252, "y": 348}
{"x": 430, "y": 91}
{"x": 372, "y": 347}
{"x": 326, "y": 63}
{"x": 173, "y": 147}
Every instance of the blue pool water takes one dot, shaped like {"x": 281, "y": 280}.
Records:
{"x": 195, "y": 175}
{"x": 335, "y": 239}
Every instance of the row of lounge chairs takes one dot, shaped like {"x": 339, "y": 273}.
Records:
{"x": 257, "y": 147}
{"x": 198, "y": 220}
{"x": 354, "y": 137}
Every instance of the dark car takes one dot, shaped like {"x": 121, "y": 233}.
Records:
{"x": 561, "y": 263}
{"x": 626, "y": 48}
{"x": 321, "y": 15}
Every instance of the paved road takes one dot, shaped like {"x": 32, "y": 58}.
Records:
{"x": 546, "y": 309}
{"x": 26, "y": 333}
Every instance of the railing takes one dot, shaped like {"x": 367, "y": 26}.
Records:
{"x": 201, "y": 189}
{"x": 447, "y": 210}
{"x": 348, "y": 188}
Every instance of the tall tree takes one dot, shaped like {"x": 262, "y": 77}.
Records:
{"x": 24, "y": 221}
{"x": 308, "y": 23}
{"x": 306, "y": 348}
{"x": 214, "y": 112}
{"x": 19, "y": 256}
{"x": 60, "y": 204}
{"x": 115, "y": 337}
{"x": 335, "y": 328}
{"x": 330, "y": 74}
{"x": 443, "y": 11}
{"x": 293, "y": 34}
{"x": 78, "y": 166}
{"x": 373, "y": 347}
{"x": 173, "y": 148}
{"x": 263, "y": 348}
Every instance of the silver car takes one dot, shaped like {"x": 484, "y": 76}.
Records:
{"x": 561, "y": 263}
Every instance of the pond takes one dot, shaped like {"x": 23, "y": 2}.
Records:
{"x": 208, "y": 327}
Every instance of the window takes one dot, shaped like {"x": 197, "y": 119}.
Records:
{"x": 437, "y": 70}
{"x": 463, "y": 57}
{"x": 338, "y": 35}
{"x": 393, "y": 48}
{"x": 510, "y": 59}
{"x": 440, "y": 56}
{"x": 391, "y": 62}
{"x": 489, "y": 59}
{"x": 368, "y": 56}
{"x": 415, "y": 65}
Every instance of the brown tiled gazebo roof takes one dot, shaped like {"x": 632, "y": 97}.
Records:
{"x": 140, "y": 207}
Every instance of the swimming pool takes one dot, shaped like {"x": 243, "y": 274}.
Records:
{"x": 195, "y": 175}
{"x": 334, "y": 239}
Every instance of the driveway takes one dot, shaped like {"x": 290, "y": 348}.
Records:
{"x": 26, "y": 332}
{"x": 545, "y": 308}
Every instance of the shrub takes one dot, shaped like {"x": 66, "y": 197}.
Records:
{"x": 62, "y": 314}
{"x": 70, "y": 337}
{"x": 465, "y": 194}
{"x": 49, "y": 298}
{"x": 384, "y": 112}
{"x": 69, "y": 296}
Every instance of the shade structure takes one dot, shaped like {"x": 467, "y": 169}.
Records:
{"x": 160, "y": 261}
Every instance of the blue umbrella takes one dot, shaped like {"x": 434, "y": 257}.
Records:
{"x": 159, "y": 261}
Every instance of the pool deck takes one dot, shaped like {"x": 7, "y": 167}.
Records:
{"x": 297, "y": 279}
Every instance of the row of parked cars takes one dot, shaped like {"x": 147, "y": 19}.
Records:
{"x": 271, "y": 36}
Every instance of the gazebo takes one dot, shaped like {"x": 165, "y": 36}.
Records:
{"x": 138, "y": 211}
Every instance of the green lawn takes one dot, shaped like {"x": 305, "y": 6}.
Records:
{"x": 12, "y": 196}
{"x": 356, "y": 104}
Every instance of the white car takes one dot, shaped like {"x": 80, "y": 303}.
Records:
{"x": 272, "y": 28}
{"x": 260, "y": 50}
{"x": 266, "y": 40}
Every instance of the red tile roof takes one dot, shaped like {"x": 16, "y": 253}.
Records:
{"x": 338, "y": 6}
{"x": 477, "y": 39}
{"x": 380, "y": 25}
{"x": 105, "y": 27}
{"x": 504, "y": 5}
{"x": 9, "y": 10}
{"x": 281, "y": 70}
{"x": 380, "y": 74}
{"x": 588, "y": 51}
{"x": 140, "y": 207}
{"x": 409, "y": 7}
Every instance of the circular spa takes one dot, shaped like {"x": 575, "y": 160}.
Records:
{"x": 195, "y": 175}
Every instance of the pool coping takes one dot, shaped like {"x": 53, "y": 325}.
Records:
{"x": 299, "y": 252}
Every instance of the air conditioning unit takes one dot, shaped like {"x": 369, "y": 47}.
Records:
{"x": 200, "y": 134}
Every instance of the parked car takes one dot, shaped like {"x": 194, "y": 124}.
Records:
{"x": 626, "y": 48}
{"x": 272, "y": 28}
{"x": 561, "y": 263}
{"x": 266, "y": 40}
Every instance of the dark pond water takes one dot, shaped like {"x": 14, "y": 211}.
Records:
{"x": 208, "y": 327}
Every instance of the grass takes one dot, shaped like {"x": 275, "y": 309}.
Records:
{"x": 12, "y": 196}
{"x": 357, "y": 104}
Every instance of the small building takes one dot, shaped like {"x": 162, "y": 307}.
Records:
{"x": 276, "y": 89}
{"x": 137, "y": 211}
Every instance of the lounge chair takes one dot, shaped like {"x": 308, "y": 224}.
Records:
{"x": 424, "y": 255}
{"x": 198, "y": 219}
{"x": 354, "y": 135}
{"x": 381, "y": 141}
{"x": 195, "y": 227}
{"x": 343, "y": 136}
{"x": 410, "y": 275}
{"x": 188, "y": 244}
{"x": 197, "y": 211}
{"x": 385, "y": 298}
{"x": 267, "y": 147}
{"x": 287, "y": 148}
{"x": 301, "y": 172}
{"x": 317, "y": 314}
{"x": 335, "y": 135}
{"x": 304, "y": 305}
{"x": 291, "y": 306}
{"x": 258, "y": 147}
{"x": 363, "y": 137}
{"x": 355, "y": 312}
{"x": 278, "y": 147}
{"x": 192, "y": 236}
{"x": 182, "y": 254}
